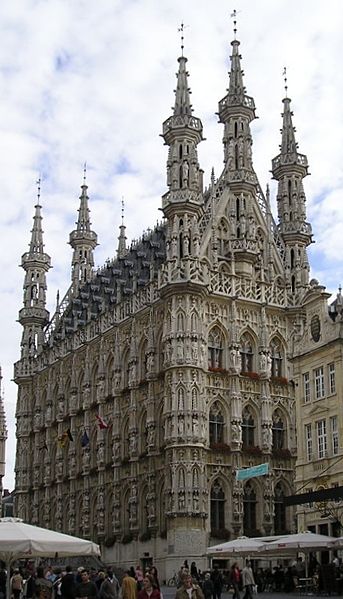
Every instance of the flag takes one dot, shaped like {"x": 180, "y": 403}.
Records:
{"x": 101, "y": 422}
{"x": 70, "y": 436}
{"x": 62, "y": 440}
{"x": 84, "y": 439}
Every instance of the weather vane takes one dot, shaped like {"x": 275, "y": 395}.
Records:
{"x": 84, "y": 172}
{"x": 284, "y": 73}
{"x": 38, "y": 183}
{"x": 122, "y": 210}
{"x": 181, "y": 30}
{"x": 234, "y": 17}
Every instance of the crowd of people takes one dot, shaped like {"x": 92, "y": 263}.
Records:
{"x": 47, "y": 583}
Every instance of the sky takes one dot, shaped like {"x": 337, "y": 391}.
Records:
{"x": 84, "y": 81}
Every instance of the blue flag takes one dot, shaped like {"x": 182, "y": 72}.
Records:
{"x": 84, "y": 439}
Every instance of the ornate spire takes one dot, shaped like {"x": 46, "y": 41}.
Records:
{"x": 36, "y": 243}
{"x": 289, "y": 168}
{"x": 236, "y": 111}
{"x": 36, "y": 263}
{"x": 83, "y": 241}
{"x": 122, "y": 251}
{"x": 182, "y": 132}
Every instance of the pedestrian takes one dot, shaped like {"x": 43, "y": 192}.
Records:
{"x": 149, "y": 591}
{"x": 207, "y": 587}
{"x": 154, "y": 574}
{"x": 99, "y": 579}
{"x": 248, "y": 581}
{"x": 139, "y": 577}
{"x": 86, "y": 588}
{"x": 110, "y": 587}
{"x": 16, "y": 583}
{"x": 128, "y": 586}
{"x": 235, "y": 580}
{"x": 194, "y": 571}
{"x": 217, "y": 580}
{"x": 189, "y": 590}
{"x": 43, "y": 586}
{"x": 68, "y": 584}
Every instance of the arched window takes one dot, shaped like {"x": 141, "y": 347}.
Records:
{"x": 249, "y": 510}
{"x": 276, "y": 358}
{"x": 279, "y": 510}
{"x": 125, "y": 440}
{"x": 278, "y": 431}
{"x": 215, "y": 349}
{"x": 248, "y": 428}
{"x": 143, "y": 361}
{"x": 143, "y": 434}
{"x": 246, "y": 352}
{"x": 216, "y": 424}
{"x": 217, "y": 506}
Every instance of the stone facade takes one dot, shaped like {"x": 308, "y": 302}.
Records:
{"x": 318, "y": 376}
{"x": 166, "y": 371}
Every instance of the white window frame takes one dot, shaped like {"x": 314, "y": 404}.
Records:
{"x": 322, "y": 442}
{"x": 334, "y": 435}
{"x": 307, "y": 387}
{"x": 332, "y": 378}
{"x": 319, "y": 382}
{"x": 308, "y": 441}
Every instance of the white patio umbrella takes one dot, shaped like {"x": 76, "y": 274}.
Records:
{"x": 239, "y": 546}
{"x": 302, "y": 541}
{"x": 19, "y": 540}
{"x": 337, "y": 543}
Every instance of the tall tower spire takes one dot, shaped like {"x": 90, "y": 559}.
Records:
{"x": 182, "y": 132}
{"x": 83, "y": 241}
{"x": 289, "y": 168}
{"x": 236, "y": 111}
{"x": 36, "y": 263}
{"x": 121, "y": 251}
{"x": 3, "y": 435}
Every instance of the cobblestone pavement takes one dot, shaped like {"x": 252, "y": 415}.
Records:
{"x": 169, "y": 593}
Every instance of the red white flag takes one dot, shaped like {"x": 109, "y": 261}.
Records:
{"x": 101, "y": 422}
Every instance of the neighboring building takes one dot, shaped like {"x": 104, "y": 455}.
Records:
{"x": 180, "y": 347}
{"x": 7, "y": 504}
{"x": 318, "y": 376}
{"x": 3, "y": 436}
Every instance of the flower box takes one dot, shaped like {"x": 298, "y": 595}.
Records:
{"x": 251, "y": 375}
{"x": 217, "y": 369}
{"x": 252, "y": 450}
{"x": 222, "y": 447}
{"x": 281, "y": 380}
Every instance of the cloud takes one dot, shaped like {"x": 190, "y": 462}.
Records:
{"x": 94, "y": 81}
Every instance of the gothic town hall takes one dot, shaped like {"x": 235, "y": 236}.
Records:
{"x": 162, "y": 373}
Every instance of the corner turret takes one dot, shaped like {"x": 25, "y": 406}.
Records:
{"x": 83, "y": 241}
{"x": 289, "y": 168}
{"x": 34, "y": 316}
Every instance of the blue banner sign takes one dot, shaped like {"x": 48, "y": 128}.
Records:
{"x": 246, "y": 473}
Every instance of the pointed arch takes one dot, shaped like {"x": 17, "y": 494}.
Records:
{"x": 180, "y": 321}
{"x": 217, "y": 505}
{"x": 277, "y": 352}
{"x": 180, "y": 398}
{"x": 125, "y": 440}
{"x": 109, "y": 370}
{"x": 247, "y": 352}
{"x": 181, "y": 477}
{"x": 94, "y": 374}
{"x": 142, "y": 434}
{"x": 278, "y": 430}
{"x": 280, "y": 519}
{"x": 248, "y": 427}
{"x": 143, "y": 509}
{"x": 223, "y": 229}
{"x": 143, "y": 356}
{"x": 216, "y": 423}
{"x": 216, "y": 344}
{"x": 250, "y": 497}
{"x": 195, "y": 398}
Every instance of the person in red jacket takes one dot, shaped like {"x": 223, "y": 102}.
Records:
{"x": 149, "y": 591}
